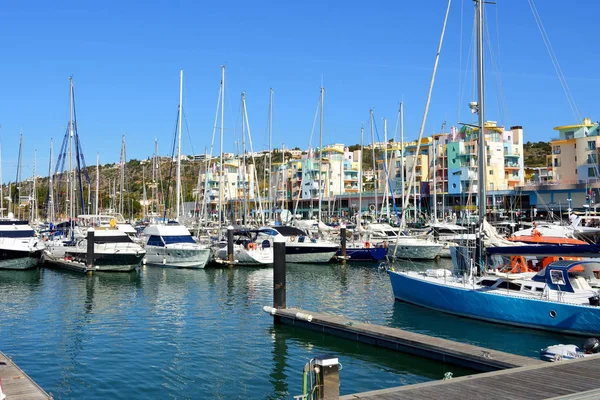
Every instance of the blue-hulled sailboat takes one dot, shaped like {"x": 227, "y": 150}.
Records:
{"x": 563, "y": 297}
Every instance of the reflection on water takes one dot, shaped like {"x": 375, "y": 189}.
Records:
{"x": 179, "y": 333}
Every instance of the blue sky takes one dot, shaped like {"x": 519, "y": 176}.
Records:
{"x": 125, "y": 58}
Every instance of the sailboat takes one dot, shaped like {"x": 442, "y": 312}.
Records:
{"x": 171, "y": 244}
{"x": 114, "y": 250}
{"x": 562, "y": 297}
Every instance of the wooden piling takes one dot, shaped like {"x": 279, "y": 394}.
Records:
{"x": 279, "y": 272}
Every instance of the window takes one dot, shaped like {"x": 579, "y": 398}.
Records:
{"x": 178, "y": 239}
{"x": 592, "y": 158}
{"x": 556, "y": 149}
{"x": 591, "y": 145}
{"x": 557, "y": 277}
{"x": 591, "y": 172}
{"x": 569, "y": 135}
{"x": 155, "y": 241}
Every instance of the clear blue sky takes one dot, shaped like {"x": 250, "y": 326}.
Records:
{"x": 125, "y": 58}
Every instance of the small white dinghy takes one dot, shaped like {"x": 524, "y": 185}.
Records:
{"x": 561, "y": 352}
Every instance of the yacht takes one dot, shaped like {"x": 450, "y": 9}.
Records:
{"x": 247, "y": 249}
{"x": 20, "y": 248}
{"x": 114, "y": 250}
{"x": 300, "y": 247}
{"x": 401, "y": 246}
{"x": 172, "y": 245}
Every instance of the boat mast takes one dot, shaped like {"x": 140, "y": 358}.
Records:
{"x": 122, "y": 183}
{"x": 433, "y": 153}
{"x": 50, "y": 186}
{"x": 178, "y": 195}
{"x": 375, "y": 178}
{"x": 360, "y": 178}
{"x": 155, "y": 167}
{"x": 321, "y": 185}
{"x": 271, "y": 203}
{"x": 33, "y": 204}
{"x": 385, "y": 163}
{"x": 19, "y": 175}
{"x": 481, "y": 139}
{"x": 402, "y": 176}
{"x": 70, "y": 188}
{"x": 97, "y": 183}
{"x": 221, "y": 179}
{"x": 480, "y": 112}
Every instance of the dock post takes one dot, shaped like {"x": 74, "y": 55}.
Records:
{"x": 230, "y": 244}
{"x": 279, "y": 272}
{"x": 343, "y": 249}
{"x": 90, "y": 250}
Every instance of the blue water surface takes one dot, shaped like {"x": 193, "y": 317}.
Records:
{"x": 190, "y": 334}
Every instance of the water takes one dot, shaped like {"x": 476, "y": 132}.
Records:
{"x": 169, "y": 333}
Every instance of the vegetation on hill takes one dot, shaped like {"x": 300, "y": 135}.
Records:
{"x": 535, "y": 153}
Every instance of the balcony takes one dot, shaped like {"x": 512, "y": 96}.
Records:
{"x": 510, "y": 165}
{"x": 513, "y": 155}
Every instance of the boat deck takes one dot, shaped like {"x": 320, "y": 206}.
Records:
{"x": 16, "y": 385}
{"x": 446, "y": 351}
{"x": 576, "y": 379}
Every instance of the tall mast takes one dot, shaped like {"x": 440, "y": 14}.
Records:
{"x": 122, "y": 183}
{"x": 480, "y": 112}
{"x": 144, "y": 191}
{"x": 244, "y": 175}
{"x": 96, "y": 211}
{"x": 434, "y": 179}
{"x": 33, "y": 201}
{"x": 360, "y": 178}
{"x": 271, "y": 205}
{"x": 155, "y": 167}
{"x": 321, "y": 185}
{"x": 19, "y": 175}
{"x": 402, "y": 177}
{"x": 385, "y": 163}
{"x": 50, "y": 186}
{"x": 221, "y": 180}
{"x": 375, "y": 177}
{"x": 70, "y": 178}
{"x": 178, "y": 196}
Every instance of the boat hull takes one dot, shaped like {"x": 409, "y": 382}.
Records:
{"x": 495, "y": 307}
{"x": 118, "y": 261}
{"x": 177, "y": 258}
{"x": 19, "y": 260}
{"x": 365, "y": 254}
{"x": 415, "y": 252}
{"x": 295, "y": 253}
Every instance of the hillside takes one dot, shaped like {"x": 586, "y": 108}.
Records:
{"x": 535, "y": 153}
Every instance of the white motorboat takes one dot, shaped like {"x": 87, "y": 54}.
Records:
{"x": 299, "y": 246}
{"x": 247, "y": 251}
{"x": 406, "y": 247}
{"x": 114, "y": 250}
{"x": 20, "y": 248}
{"x": 172, "y": 245}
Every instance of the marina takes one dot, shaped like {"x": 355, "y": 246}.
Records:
{"x": 284, "y": 219}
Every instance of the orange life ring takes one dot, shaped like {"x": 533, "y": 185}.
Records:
{"x": 367, "y": 245}
{"x": 292, "y": 238}
{"x": 252, "y": 246}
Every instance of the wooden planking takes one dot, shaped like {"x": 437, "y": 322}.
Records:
{"x": 447, "y": 351}
{"x": 16, "y": 385}
{"x": 571, "y": 379}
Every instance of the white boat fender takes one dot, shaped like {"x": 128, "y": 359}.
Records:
{"x": 270, "y": 310}
{"x": 304, "y": 316}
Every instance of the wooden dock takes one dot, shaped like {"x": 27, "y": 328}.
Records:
{"x": 566, "y": 380}
{"x": 443, "y": 350}
{"x": 71, "y": 265}
{"x": 16, "y": 385}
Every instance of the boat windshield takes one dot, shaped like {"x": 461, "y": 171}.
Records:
{"x": 17, "y": 234}
{"x": 178, "y": 239}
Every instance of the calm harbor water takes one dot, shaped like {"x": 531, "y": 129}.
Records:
{"x": 169, "y": 333}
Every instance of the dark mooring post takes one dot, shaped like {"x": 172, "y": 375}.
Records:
{"x": 90, "y": 249}
{"x": 343, "y": 249}
{"x": 279, "y": 272}
{"x": 230, "y": 244}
